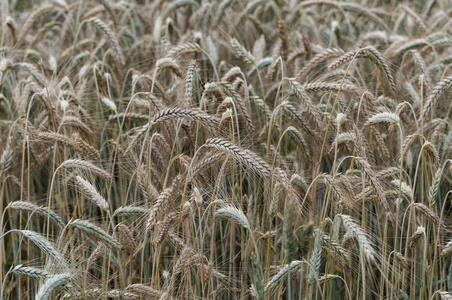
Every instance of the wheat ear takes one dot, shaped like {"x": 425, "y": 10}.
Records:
{"x": 316, "y": 257}
{"x": 183, "y": 49}
{"x": 51, "y": 284}
{"x": 31, "y": 20}
{"x": 92, "y": 192}
{"x": 144, "y": 290}
{"x": 317, "y": 60}
{"x": 31, "y": 272}
{"x": 245, "y": 156}
{"x": 31, "y": 207}
{"x": 171, "y": 113}
{"x": 112, "y": 39}
{"x": 377, "y": 59}
{"x": 360, "y": 235}
{"x": 78, "y": 145}
{"x": 233, "y": 214}
{"x": 244, "y": 54}
{"x": 87, "y": 166}
{"x": 293, "y": 267}
{"x": 131, "y": 211}
{"x": 46, "y": 246}
{"x": 97, "y": 232}
{"x": 435, "y": 94}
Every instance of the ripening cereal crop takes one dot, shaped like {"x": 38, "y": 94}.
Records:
{"x": 225, "y": 149}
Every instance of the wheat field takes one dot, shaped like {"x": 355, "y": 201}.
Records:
{"x": 225, "y": 149}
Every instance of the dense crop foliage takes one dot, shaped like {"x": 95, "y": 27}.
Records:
{"x": 225, "y": 149}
